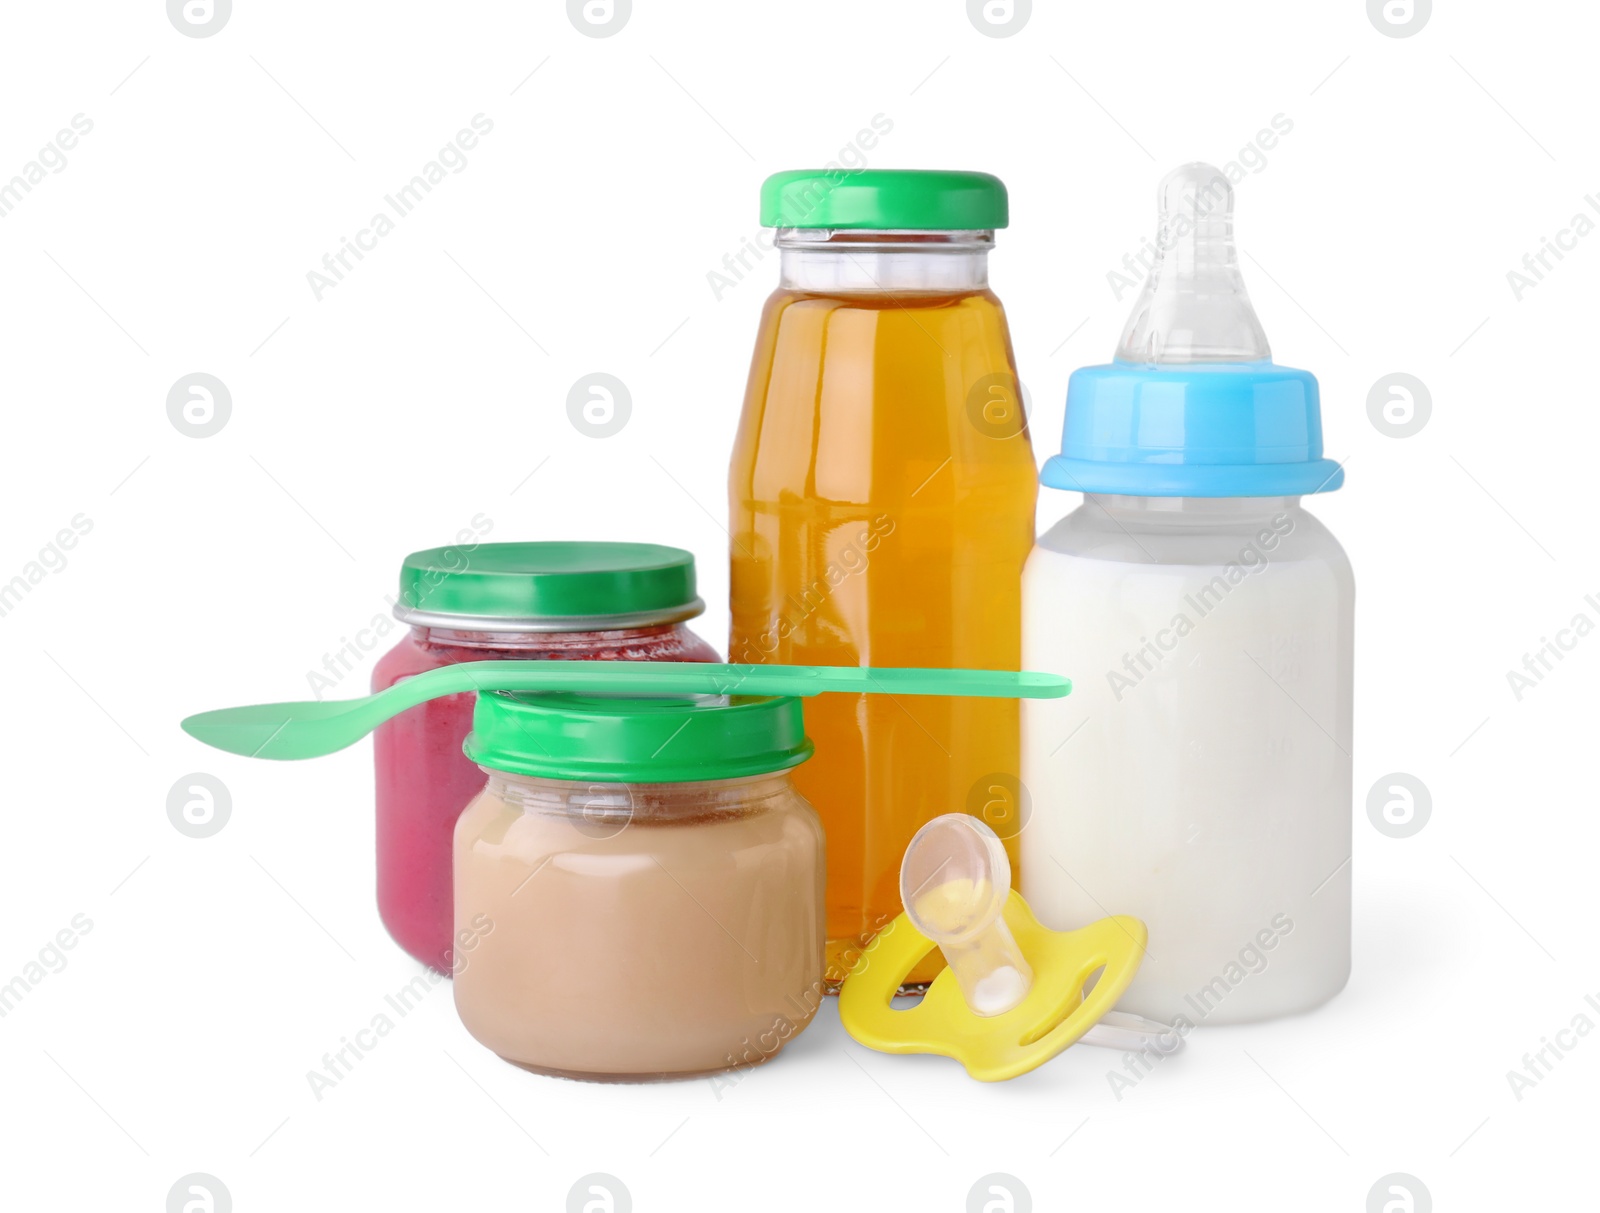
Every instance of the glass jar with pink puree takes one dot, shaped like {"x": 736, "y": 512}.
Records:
{"x": 638, "y": 887}
{"x": 499, "y": 602}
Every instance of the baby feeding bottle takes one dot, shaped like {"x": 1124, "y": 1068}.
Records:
{"x": 533, "y": 601}
{"x": 882, "y": 501}
{"x": 1199, "y": 776}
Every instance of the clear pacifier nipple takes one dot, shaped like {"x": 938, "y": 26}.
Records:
{"x": 953, "y": 883}
{"x": 1194, "y": 307}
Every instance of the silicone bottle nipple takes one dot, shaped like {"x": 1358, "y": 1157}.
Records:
{"x": 1194, "y": 307}
{"x": 954, "y": 881}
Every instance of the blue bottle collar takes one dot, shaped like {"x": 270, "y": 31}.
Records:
{"x": 1233, "y": 429}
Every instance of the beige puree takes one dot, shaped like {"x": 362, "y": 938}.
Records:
{"x": 639, "y": 931}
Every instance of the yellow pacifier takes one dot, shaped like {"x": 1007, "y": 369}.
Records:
{"x": 1014, "y": 993}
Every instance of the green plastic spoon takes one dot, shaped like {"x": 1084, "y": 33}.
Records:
{"x": 309, "y": 730}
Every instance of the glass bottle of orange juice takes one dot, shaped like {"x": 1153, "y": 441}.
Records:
{"x": 882, "y": 504}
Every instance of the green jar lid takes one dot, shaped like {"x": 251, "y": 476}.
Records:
{"x": 612, "y": 740}
{"x": 884, "y": 199}
{"x": 548, "y": 587}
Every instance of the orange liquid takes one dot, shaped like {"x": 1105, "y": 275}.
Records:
{"x": 882, "y": 504}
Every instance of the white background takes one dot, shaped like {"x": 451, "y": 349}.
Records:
{"x": 430, "y": 386}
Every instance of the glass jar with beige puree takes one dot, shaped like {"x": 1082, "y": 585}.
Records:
{"x": 641, "y": 884}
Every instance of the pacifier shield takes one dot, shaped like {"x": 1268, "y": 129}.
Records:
{"x": 1053, "y": 1016}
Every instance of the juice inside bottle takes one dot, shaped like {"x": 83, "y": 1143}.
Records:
{"x": 882, "y": 502}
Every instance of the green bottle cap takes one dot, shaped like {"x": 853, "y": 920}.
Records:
{"x": 548, "y": 587}
{"x": 884, "y": 200}
{"x": 668, "y": 740}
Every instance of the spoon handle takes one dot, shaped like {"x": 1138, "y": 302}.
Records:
{"x": 703, "y": 678}
{"x": 305, "y": 730}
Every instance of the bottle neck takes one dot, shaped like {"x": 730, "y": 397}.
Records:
{"x": 1187, "y": 511}
{"x": 596, "y": 803}
{"x": 846, "y": 260}
{"x": 546, "y": 642}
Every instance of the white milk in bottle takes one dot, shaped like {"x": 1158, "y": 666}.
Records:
{"x": 1199, "y": 774}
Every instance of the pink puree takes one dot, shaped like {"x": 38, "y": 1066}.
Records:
{"x": 424, "y": 781}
